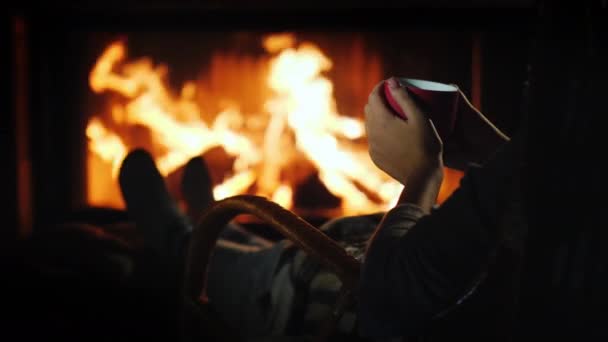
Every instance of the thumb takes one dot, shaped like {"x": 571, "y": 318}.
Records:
{"x": 401, "y": 98}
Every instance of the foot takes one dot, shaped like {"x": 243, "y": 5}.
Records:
{"x": 197, "y": 192}
{"x": 196, "y": 188}
{"x": 150, "y": 206}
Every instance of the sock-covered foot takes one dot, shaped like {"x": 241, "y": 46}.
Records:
{"x": 197, "y": 191}
{"x": 196, "y": 188}
{"x": 150, "y": 206}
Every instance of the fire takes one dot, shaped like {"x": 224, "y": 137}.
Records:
{"x": 304, "y": 101}
{"x": 106, "y": 145}
{"x": 299, "y": 123}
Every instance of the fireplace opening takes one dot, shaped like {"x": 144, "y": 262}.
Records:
{"x": 275, "y": 114}
{"x": 275, "y": 109}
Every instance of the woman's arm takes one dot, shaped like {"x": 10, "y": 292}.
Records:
{"x": 419, "y": 263}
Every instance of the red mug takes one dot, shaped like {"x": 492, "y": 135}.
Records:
{"x": 438, "y": 100}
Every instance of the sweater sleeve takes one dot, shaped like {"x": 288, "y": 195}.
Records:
{"x": 417, "y": 265}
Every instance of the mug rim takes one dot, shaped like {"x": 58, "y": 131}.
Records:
{"x": 427, "y": 85}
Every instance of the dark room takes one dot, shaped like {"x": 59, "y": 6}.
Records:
{"x": 304, "y": 171}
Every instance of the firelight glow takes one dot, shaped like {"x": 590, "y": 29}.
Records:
{"x": 300, "y": 121}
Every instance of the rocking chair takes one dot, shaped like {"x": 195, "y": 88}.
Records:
{"x": 200, "y": 320}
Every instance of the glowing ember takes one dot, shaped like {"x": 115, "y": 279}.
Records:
{"x": 299, "y": 124}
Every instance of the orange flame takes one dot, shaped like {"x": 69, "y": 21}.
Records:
{"x": 300, "y": 120}
{"x": 175, "y": 123}
{"x": 304, "y": 100}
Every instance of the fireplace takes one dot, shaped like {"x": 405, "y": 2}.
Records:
{"x": 283, "y": 110}
{"x": 272, "y": 98}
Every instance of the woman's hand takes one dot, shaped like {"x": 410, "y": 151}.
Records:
{"x": 401, "y": 148}
{"x": 409, "y": 150}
